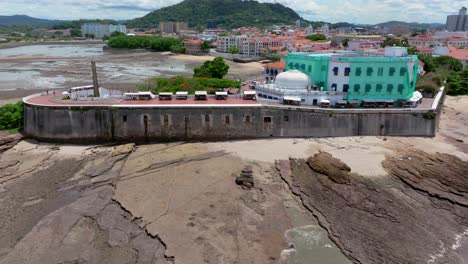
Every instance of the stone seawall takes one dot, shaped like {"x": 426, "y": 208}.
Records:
{"x": 92, "y": 124}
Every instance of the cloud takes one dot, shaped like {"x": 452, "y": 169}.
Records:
{"x": 355, "y": 11}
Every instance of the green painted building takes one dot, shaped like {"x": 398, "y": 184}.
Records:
{"x": 391, "y": 75}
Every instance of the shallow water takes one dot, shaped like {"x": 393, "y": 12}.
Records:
{"x": 311, "y": 245}
{"x": 54, "y": 51}
{"x": 61, "y": 73}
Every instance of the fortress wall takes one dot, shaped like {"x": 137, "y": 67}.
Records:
{"x": 101, "y": 124}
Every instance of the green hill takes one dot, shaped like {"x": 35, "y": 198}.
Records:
{"x": 224, "y": 13}
{"x": 23, "y": 20}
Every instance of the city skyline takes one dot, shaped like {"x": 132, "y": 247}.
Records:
{"x": 357, "y": 11}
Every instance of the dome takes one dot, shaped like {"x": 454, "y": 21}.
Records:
{"x": 293, "y": 79}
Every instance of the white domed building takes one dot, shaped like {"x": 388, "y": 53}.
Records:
{"x": 294, "y": 87}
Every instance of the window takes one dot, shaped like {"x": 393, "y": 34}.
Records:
{"x": 309, "y": 68}
{"x": 390, "y": 88}
{"x": 267, "y": 119}
{"x": 358, "y": 71}
{"x": 380, "y": 71}
{"x": 369, "y": 71}
{"x": 335, "y": 71}
{"x": 391, "y": 71}
{"x": 324, "y": 68}
{"x": 378, "y": 88}
{"x": 286, "y": 118}
{"x": 401, "y": 87}
{"x": 247, "y": 119}
{"x": 227, "y": 120}
{"x": 207, "y": 118}
{"x": 357, "y": 87}
{"x": 402, "y": 71}
{"x": 303, "y": 67}
{"x": 345, "y": 88}
{"x": 314, "y": 102}
{"x": 333, "y": 87}
{"x": 347, "y": 70}
{"x": 368, "y": 88}
{"x": 125, "y": 118}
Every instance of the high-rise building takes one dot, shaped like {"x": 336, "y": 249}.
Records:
{"x": 102, "y": 30}
{"x": 458, "y": 22}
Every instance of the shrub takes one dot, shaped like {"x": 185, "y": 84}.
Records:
{"x": 11, "y": 116}
{"x": 427, "y": 88}
{"x": 437, "y": 80}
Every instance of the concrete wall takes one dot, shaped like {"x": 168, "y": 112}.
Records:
{"x": 98, "y": 124}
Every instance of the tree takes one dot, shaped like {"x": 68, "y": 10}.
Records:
{"x": 75, "y": 32}
{"x": 11, "y": 116}
{"x": 206, "y": 45}
{"x": 345, "y": 43}
{"x": 116, "y": 34}
{"x": 233, "y": 50}
{"x": 389, "y": 41}
{"x": 457, "y": 83}
{"x": 316, "y": 37}
{"x": 91, "y": 36}
{"x": 216, "y": 68}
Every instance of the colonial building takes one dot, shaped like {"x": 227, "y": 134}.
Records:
{"x": 351, "y": 76}
{"x": 193, "y": 47}
{"x": 249, "y": 46}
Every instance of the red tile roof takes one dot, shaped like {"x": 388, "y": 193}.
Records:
{"x": 280, "y": 65}
{"x": 459, "y": 54}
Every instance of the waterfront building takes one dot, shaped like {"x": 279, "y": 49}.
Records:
{"x": 334, "y": 77}
{"x": 458, "y": 22}
{"x": 102, "y": 30}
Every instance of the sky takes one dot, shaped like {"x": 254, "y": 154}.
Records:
{"x": 353, "y": 11}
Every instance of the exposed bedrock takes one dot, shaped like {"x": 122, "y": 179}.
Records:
{"x": 418, "y": 216}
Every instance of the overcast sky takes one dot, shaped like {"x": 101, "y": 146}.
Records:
{"x": 355, "y": 11}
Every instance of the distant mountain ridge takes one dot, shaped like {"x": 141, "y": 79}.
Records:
{"x": 223, "y": 13}
{"x": 414, "y": 25}
{"x": 24, "y": 20}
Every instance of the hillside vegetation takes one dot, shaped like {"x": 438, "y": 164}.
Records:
{"x": 225, "y": 13}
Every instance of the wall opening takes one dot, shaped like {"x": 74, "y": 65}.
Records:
{"x": 207, "y": 118}
{"x": 227, "y": 120}
{"x": 267, "y": 120}
{"x": 286, "y": 118}
{"x": 247, "y": 118}
{"x": 125, "y": 118}
{"x": 145, "y": 121}
{"x": 166, "y": 120}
